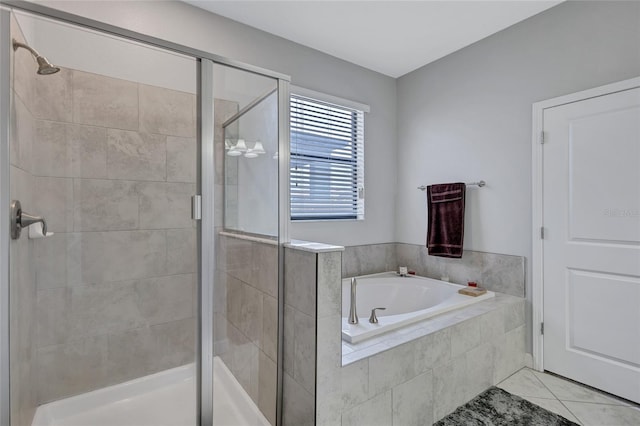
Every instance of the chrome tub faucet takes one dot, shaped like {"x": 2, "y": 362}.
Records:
{"x": 353, "y": 315}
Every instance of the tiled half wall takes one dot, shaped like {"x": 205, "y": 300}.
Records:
{"x": 246, "y": 316}
{"x": 413, "y": 383}
{"x": 497, "y": 272}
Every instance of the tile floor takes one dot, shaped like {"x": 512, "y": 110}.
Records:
{"x": 577, "y": 403}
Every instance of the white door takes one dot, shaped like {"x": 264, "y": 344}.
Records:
{"x": 591, "y": 203}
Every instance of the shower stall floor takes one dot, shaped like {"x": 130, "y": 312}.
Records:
{"x": 167, "y": 398}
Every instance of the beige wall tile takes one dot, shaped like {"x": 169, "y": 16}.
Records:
{"x": 480, "y": 365}
{"x": 53, "y": 316}
{"x": 76, "y": 367}
{"x": 131, "y": 254}
{"x": 244, "y": 361}
{"x": 165, "y": 205}
{"x": 103, "y": 205}
{"x": 464, "y": 336}
{"x": 51, "y": 158}
{"x": 165, "y": 299}
{"x": 269, "y": 340}
{"x": 413, "y": 401}
{"x": 304, "y": 367}
{"x": 51, "y": 258}
{"x": 181, "y": 159}
{"x": 54, "y": 201}
{"x": 267, "y": 388}
{"x": 237, "y": 260}
{"x": 181, "y": 251}
{"x": 88, "y": 147}
{"x": 300, "y": 280}
{"x": 299, "y": 405}
{"x": 69, "y": 150}
{"x": 329, "y": 286}
{"x": 104, "y": 101}
{"x": 166, "y": 111}
{"x": 374, "y": 412}
{"x": 24, "y": 72}
{"x": 53, "y": 96}
{"x": 433, "y": 349}
{"x": 148, "y": 350}
{"x": 289, "y": 339}
{"x": 354, "y": 383}
{"x": 136, "y": 156}
{"x": 391, "y": 368}
{"x": 265, "y": 263}
{"x": 21, "y": 134}
{"x": 449, "y": 381}
{"x": 250, "y": 320}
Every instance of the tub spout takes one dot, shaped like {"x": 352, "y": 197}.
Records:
{"x": 353, "y": 315}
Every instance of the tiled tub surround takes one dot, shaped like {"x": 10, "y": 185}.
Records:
{"x": 497, "y": 272}
{"x": 419, "y": 374}
{"x": 415, "y": 375}
{"x": 246, "y": 317}
{"x": 113, "y": 166}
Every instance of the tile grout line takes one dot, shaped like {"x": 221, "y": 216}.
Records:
{"x": 557, "y": 399}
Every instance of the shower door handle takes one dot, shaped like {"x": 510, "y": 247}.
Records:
{"x": 21, "y": 219}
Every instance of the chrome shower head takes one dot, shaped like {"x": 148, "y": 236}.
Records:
{"x": 44, "y": 66}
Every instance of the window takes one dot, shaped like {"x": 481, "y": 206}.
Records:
{"x": 327, "y": 160}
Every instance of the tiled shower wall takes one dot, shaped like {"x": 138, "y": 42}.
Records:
{"x": 23, "y": 280}
{"x": 246, "y": 331}
{"x": 497, "y": 272}
{"x": 113, "y": 167}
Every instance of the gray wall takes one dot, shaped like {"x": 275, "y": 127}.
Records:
{"x": 468, "y": 116}
{"x": 182, "y": 23}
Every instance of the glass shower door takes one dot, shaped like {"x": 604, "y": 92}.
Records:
{"x": 103, "y": 303}
{"x": 246, "y": 291}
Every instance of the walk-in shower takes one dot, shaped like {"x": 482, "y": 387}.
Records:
{"x": 138, "y": 303}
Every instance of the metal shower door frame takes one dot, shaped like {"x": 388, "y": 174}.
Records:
{"x": 205, "y": 187}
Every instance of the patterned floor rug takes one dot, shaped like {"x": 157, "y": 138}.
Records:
{"x": 497, "y": 407}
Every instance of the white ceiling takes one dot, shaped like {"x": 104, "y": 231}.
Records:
{"x": 391, "y": 37}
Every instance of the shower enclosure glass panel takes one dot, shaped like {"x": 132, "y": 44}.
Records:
{"x": 246, "y": 294}
{"x": 124, "y": 309}
{"x": 105, "y": 150}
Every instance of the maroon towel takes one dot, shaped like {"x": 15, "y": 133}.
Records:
{"x": 445, "y": 230}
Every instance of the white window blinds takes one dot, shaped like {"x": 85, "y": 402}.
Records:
{"x": 327, "y": 160}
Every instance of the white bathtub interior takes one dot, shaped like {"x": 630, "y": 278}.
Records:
{"x": 162, "y": 399}
{"x": 407, "y": 300}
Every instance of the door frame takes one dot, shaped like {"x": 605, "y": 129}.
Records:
{"x": 537, "y": 170}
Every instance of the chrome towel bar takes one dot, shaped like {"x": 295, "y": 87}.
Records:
{"x": 480, "y": 184}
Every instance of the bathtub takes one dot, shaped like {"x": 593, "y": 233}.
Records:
{"x": 407, "y": 299}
